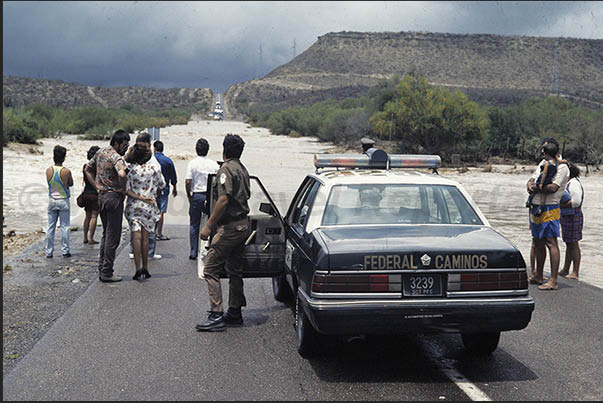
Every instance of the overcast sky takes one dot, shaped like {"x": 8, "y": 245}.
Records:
{"x": 215, "y": 44}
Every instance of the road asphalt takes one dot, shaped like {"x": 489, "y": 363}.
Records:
{"x": 136, "y": 341}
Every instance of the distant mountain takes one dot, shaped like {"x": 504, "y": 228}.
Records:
{"x": 491, "y": 69}
{"x": 21, "y": 90}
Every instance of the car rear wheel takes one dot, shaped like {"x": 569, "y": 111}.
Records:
{"x": 280, "y": 289}
{"x": 306, "y": 336}
{"x": 481, "y": 343}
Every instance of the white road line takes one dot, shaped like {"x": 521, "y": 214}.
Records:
{"x": 472, "y": 391}
{"x": 446, "y": 365}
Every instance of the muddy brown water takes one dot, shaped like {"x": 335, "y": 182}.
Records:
{"x": 281, "y": 163}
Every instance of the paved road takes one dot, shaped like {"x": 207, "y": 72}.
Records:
{"x": 136, "y": 341}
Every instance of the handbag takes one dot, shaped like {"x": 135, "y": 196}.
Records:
{"x": 80, "y": 200}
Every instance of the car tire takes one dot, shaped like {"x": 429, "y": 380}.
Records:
{"x": 307, "y": 338}
{"x": 481, "y": 343}
{"x": 280, "y": 289}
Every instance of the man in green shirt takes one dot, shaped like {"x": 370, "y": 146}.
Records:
{"x": 230, "y": 192}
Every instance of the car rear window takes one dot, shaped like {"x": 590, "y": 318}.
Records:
{"x": 398, "y": 204}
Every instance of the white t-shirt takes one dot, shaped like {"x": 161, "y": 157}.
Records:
{"x": 198, "y": 170}
{"x": 575, "y": 190}
{"x": 560, "y": 179}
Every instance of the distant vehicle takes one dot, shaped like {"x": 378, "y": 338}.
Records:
{"x": 218, "y": 114}
{"x": 218, "y": 106}
{"x": 371, "y": 250}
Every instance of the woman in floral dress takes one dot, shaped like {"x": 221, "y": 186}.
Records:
{"x": 141, "y": 209}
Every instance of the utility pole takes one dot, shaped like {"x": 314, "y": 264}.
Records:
{"x": 555, "y": 70}
{"x": 260, "y": 68}
{"x": 294, "y": 49}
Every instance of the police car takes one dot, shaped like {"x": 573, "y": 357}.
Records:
{"x": 375, "y": 244}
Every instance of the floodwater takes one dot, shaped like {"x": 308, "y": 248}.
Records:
{"x": 281, "y": 163}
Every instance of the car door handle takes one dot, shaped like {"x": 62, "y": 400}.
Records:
{"x": 266, "y": 246}
{"x": 250, "y": 237}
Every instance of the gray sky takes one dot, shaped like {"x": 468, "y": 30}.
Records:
{"x": 215, "y": 44}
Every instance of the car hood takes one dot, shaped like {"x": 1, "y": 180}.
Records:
{"x": 418, "y": 247}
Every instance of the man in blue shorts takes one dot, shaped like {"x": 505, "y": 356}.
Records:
{"x": 169, "y": 174}
{"x": 544, "y": 224}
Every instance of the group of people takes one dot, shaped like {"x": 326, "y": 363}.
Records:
{"x": 133, "y": 182}
{"x": 122, "y": 180}
{"x": 555, "y": 201}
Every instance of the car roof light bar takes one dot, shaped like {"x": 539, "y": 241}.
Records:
{"x": 376, "y": 159}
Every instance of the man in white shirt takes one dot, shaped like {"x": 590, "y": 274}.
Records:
{"x": 544, "y": 223}
{"x": 195, "y": 182}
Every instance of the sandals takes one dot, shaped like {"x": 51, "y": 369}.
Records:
{"x": 163, "y": 238}
{"x": 547, "y": 287}
{"x": 534, "y": 281}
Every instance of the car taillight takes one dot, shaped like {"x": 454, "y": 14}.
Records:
{"x": 357, "y": 283}
{"x": 488, "y": 281}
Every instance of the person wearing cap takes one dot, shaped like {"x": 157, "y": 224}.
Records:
{"x": 366, "y": 144}
{"x": 230, "y": 192}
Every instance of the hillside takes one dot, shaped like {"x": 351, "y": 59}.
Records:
{"x": 491, "y": 69}
{"x": 20, "y": 91}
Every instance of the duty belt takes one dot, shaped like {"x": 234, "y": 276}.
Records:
{"x": 225, "y": 221}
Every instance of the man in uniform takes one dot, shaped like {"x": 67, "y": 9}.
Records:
{"x": 366, "y": 144}
{"x": 230, "y": 192}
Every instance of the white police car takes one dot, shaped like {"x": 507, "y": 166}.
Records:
{"x": 372, "y": 249}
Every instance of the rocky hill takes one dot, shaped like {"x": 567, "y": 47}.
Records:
{"x": 20, "y": 91}
{"x": 491, "y": 69}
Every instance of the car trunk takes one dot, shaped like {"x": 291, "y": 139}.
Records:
{"x": 418, "y": 247}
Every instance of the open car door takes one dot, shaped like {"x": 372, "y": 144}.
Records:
{"x": 264, "y": 254}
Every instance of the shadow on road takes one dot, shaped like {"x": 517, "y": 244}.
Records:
{"x": 411, "y": 358}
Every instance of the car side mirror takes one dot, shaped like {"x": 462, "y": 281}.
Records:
{"x": 267, "y": 208}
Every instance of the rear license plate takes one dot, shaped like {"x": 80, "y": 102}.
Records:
{"x": 422, "y": 285}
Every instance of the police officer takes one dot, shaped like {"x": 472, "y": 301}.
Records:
{"x": 230, "y": 192}
{"x": 366, "y": 144}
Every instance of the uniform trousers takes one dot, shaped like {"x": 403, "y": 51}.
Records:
{"x": 226, "y": 253}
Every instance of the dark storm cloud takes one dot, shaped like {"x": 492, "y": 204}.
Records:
{"x": 215, "y": 44}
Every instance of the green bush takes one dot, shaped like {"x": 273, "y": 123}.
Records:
{"x": 26, "y": 124}
{"x": 425, "y": 118}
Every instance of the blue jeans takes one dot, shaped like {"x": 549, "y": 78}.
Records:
{"x": 194, "y": 212}
{"x": 58, "y": 209}
{"x": 163, "y": 199}
{"x": 152, "y": 242}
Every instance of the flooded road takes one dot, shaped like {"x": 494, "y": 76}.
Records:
{"x": 281, "y": 163}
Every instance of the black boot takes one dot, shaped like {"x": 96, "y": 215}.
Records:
{"x": 214, "y": 323}
{"x": 233, "y": 316}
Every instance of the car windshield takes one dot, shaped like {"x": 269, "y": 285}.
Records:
{"x": 398, "y": 204}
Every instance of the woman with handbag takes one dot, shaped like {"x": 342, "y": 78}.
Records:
{"x": 89, "y": 201}
{"x": 572, "y": 222}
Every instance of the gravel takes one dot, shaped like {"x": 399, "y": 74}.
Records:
{"x": 37, "y": 291}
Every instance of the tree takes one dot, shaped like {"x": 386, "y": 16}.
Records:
{"x": 430, "y": 119}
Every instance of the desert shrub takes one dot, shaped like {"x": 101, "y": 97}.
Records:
{"x": 19, "y": 126}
